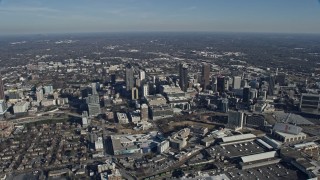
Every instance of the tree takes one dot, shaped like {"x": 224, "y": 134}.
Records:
{"x": 178, "y": 173}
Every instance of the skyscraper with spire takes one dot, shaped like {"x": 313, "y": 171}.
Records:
{"x": 1, "y": 88}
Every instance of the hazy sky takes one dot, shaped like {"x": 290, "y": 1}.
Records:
{"x": 59, "y": 16}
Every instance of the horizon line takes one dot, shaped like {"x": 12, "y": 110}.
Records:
{"x": 159, "y": 31}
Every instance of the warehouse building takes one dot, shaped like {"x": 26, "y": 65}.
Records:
{"x": 237, "y": 139}
{"x": 257, "y": 160}
{"x": 288, "y": 132}
{"x": 21, "y": 107}
{"x": 274, "y": 143}
{"x": 286, "y": 137}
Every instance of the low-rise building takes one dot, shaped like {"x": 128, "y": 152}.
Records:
{"x": 98, "y": 144}
{"x": 21, "y": 107}
{"x": 179, "y": 140}
{"x": 3, "y": 107}
{"x": 156, "y": 100}
{"x": 122, "y": 118}
{"x": 200, "y": 130}
{"x": 257, "y": 160}
{"x": 163, "y": 146}
{"x": 160, "y": 112}
{"x": 287, "y": 137}
{"x": 237, "y": 139}
{"x": 132, "y": 144}
{"x": 135, "y": 116}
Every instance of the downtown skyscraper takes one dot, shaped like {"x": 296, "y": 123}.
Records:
{"x": 222, "y": 84}
{"x": 129, "y": 77}
{"x": 206, "y": 68}
{"x": 183, "y": 77}
{"x": 1, "y": 88}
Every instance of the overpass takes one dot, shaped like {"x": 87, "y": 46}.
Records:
{"x": 59, "y": 112}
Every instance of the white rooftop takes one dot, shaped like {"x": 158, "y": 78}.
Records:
{"x": 287, "y": 135}
{"x": 257, "y": 157}
{"x": 238, "y": 137}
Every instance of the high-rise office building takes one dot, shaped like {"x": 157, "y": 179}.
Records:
{"x": 48, "y": 89}
{"x": 236, "y": 84}
{"x": 263, "y": 94}
{"x": 244, "y": 83}
{"x": 222, "y": 84}
{"x": 95, "y": 87}
{"x": 235, "y": 119}
{"x": 1, "y": 88}
{"x": 129, "y": 77}
{"x": 138, "y": 82}
{"x": 142, "y": 75}
{"x": 134, "y": 93}
{"x": 85, "y": 118}
{"x": 225, "y": 105}
{"x": 144, "y": 112}
{"x": 145, "y": 90}
{"x": 40, "y": 94}
{"x": 246, "y": 94}
{"x": 183, "y": 75}
{"x": 113, "y": 78}
{"x": 281, "y": 79}
{"x": 310, "y": 103}
{"x": 253, "y": 93}
{"x": 226, "y": 83}
{"x": 93, "y": 99}
{"x": 206, "y": 68}
{"x": 214, "y": 83}
{"x": 271, "y": 85}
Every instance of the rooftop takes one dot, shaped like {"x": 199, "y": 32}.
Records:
{"x": 287, "y": 135}
{"x": 260, "y": 156}
{"x": 238, "y": 137}
{"x": 243, "y": 149}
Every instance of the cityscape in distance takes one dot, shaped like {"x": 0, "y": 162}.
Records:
{"x": 159, "y": 90}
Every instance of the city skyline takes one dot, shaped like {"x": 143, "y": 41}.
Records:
{"x": 40, "y": 16}
{"x": 160, "y": 106}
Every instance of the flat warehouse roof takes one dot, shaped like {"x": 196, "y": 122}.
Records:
{"x": 260, "y": 156}
{"x": 238, "y": 137}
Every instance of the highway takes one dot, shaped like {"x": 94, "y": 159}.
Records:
{"x": 44, "y": 116}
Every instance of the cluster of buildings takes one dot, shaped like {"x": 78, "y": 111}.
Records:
{"x": 236, "y": 121}
{"x": 35, "y": 147}
{"x": 135, "y": 144}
